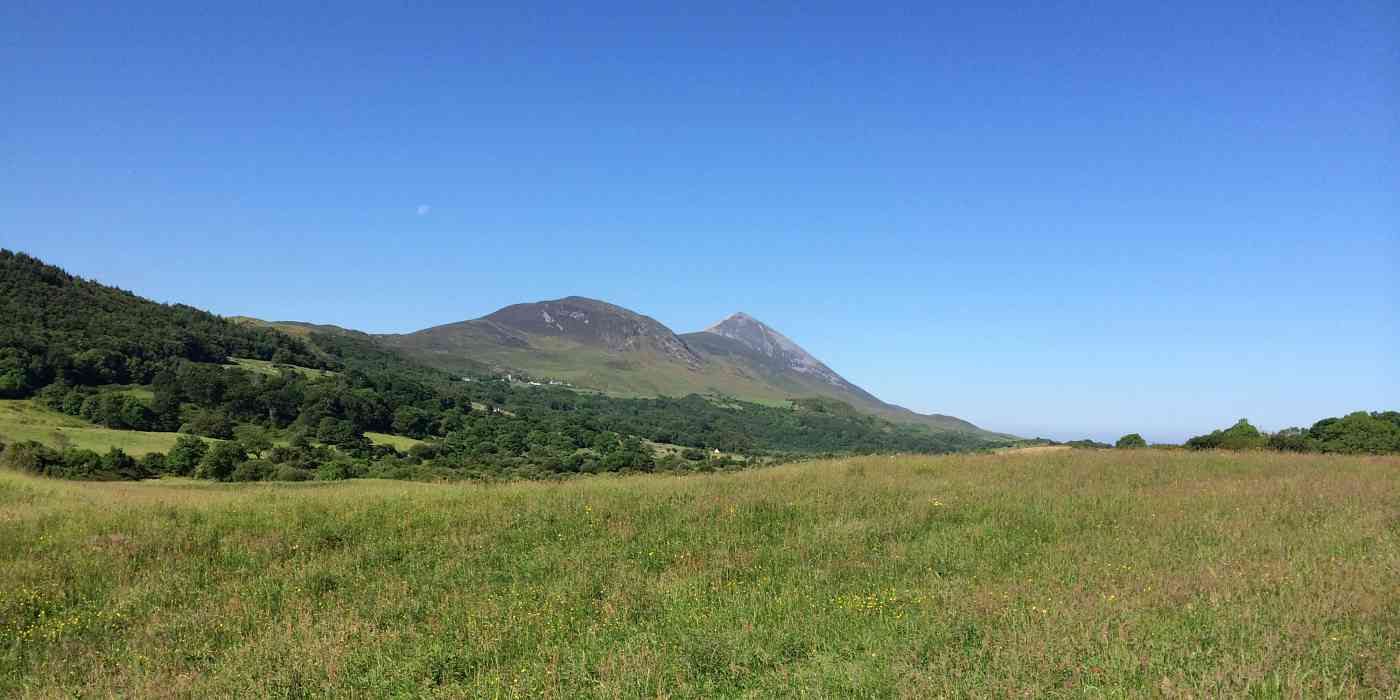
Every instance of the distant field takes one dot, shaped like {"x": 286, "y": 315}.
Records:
{"x": 398, "y": 442}
{"x": 25, "y": 420}
{"x": 1050, "y": 573}
{"x": 266, "y": 367}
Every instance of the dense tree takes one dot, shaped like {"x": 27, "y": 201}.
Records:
{"x": 1130, "y": 441}
{"x": 1357, "y": 433}
{"x": 254, "y": 438}
{"x": 58, "y": 326}
{"x": 1240, "y": 436}
{"x": 1354, "y": 433}
{"x": 1290, "y": 440}
{"x": 186, "y": 455}
{"x": 221, "y": 461}
{"x": 412, "y": 421}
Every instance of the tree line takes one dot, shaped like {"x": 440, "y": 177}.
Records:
{"x": 1355, "y": 433}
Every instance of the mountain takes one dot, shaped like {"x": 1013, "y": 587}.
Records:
{"x": 765, "y": 353}
{"x": 744, "y": 339}
{"x": 596, "y": 345}
{"x": 585, "y": 342}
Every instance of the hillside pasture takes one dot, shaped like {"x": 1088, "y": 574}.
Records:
{"x": 270, "y": 368}
{"x": 22, "y": 420}
{"x": 401, "y": 443}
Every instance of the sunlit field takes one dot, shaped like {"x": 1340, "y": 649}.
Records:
{"x": 1070, "y": 573}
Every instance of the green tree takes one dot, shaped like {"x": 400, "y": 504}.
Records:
{"x": 211, "y": 422}
{"x": 335, "y": 431}
{"x": 254, "y": 438}
{"x": 412, "y": 421}
{"x": 1357, "y": 433}
{"x": 185, "y": 455}
{"x": 1291, "y": 440}
{"x": 1242, "y": 436}
{"x": 221, "y": 461}
{"x": 1130, "y": 441}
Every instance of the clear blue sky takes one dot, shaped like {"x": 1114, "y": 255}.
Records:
{"x": 1060, "y": 219}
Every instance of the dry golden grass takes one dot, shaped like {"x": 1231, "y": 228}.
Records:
{"x": 1048, "y": 573}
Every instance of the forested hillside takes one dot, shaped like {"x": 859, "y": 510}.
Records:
{"x": 58, "y": 327}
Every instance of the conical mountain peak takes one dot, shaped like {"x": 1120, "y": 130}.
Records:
{"x": 759, "y": 337}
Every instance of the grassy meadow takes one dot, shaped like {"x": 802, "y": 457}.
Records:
{"x": 22, "y": 420}
{"x": 401, "y": 443}
{"x": 1053, "y": 573}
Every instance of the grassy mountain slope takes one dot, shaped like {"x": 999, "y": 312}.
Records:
{"x": 359, "y": 350}
{"x": 763, "y": 353}
{"x": 602, "y": 346}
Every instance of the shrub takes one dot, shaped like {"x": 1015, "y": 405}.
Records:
{"x": 286, "y": 473}
{"x": 30, "y": 457}
{"x": 252, "y": 470}
{"x": 1087, "y": 444}
{"x": 153, "y": 463}
{"x": 34, "y": 458}
{"x": 119, "y": 465}
{"x": 338, "y": 470}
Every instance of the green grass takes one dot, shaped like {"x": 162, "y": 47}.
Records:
{"x": 398, "y": 442}
{"x": 145, "y": 393}
{"x": 1069, "y": 573}
{"x": 268, "y": 368}
{"x": 22, "y": 420}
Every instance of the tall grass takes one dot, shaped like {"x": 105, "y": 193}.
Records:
{"x": 1073, "y": 573}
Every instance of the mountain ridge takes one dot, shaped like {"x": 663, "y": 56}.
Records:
{"x": 599, "y": 345}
